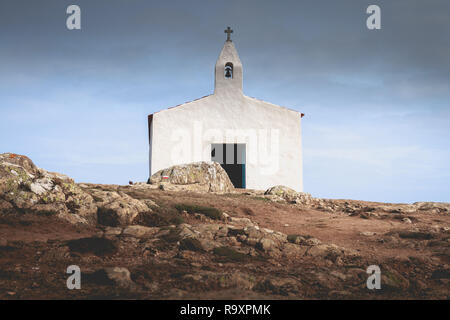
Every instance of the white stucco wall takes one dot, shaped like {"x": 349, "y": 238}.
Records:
{"x": 185, "y": 133}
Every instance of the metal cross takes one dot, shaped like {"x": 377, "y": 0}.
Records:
{"x": 228, "y": 31}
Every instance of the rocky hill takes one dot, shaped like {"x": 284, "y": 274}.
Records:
{"x": 189, "y": 234}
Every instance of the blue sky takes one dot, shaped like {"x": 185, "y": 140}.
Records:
{"x": 377, "y": 103}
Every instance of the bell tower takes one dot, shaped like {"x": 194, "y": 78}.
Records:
{"x": 228, "y": 71}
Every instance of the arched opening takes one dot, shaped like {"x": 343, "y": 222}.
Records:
{"x": 228, "y": 70}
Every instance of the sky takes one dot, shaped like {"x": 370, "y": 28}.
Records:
{"x": 376, "y": 102}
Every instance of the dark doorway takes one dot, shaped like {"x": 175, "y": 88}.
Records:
{"x": 231, "y": 157}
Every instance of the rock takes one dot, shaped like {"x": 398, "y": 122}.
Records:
{"x": 229, "y": 254}
{"x": 231, "y": 241}
{"x": 226, "y": 216}
{"x": 3, "y": 242}
{"x": 266, "y": 244}
{"x": 116, "y": 208}
{"x": 244, "y": 221}
{"x": 312, "y": 242}
{"x": 210, "y": 245}
{"x": 150, "y": 203}
{"x": 252, "y": 241}
{"x": 222, "y": 232}
{"x": 278, "y": 237}
{"x": 77, "y": 200}
{"x": 230, "y": 280}
{"x": 72, "y": 218}
{"x": 27, "y": 187}
{"x": 406, "y": 220}
{"x": 185, "y": 231}
{"x": 139, "y": 231}
{"x": 295, "y": 238}
{"x": 19, "y": 162}
{"x": 323, "y": 250}
{"x": 397, "y": 208}
{"x": 41, "y": 186}
{"x": 239, "y": 280}
{"x": 241, "y": 238}
{"x": 112, "y": 231}
{"x": 289, "y": 195}
{"x": 5, "y": 206}
{"x": 209, "y": 228}
{"x": 198, "y": 176}
{"x": 420, "y": 285}
{"x": 192, "y": 277}
{"x": 367, "y": 233}
{"x": 280, "y": 286}
{"x": 163, "y": 233}
{"x": 357, "y": 273}
{"x": 281, "y": 191}
{"x": 253, "y": 232}
{"x": 191, "y": 244}
{"x": 438, "y": 206}
{"x": 292, "y": 250}
{"x": 338, "y": 275}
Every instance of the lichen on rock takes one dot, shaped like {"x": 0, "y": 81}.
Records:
{"x": 116, "y": 208}
{"x": 29, "y": 188}
{"x": 197, "y": 176}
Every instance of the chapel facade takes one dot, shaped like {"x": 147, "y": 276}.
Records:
{"x": 259, "y": 144}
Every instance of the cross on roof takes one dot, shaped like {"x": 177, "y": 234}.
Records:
{"x": 228, "y": 31}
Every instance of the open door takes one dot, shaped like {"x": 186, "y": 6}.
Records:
{"x": 231, "y": 157}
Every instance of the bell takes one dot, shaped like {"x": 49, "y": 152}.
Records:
{"x": 227, "y": 73}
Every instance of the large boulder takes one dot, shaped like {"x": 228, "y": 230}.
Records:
{"x": 442, "y": 207}
{"x": 288, "y": 194}
{"x": 197, "y": 176}
{"x": 116, "y": 208}
{"x": 281, "y": 191}
{"x": 23, "y": 186}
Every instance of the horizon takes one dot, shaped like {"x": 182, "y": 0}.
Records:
{"x": 376, "y": 102}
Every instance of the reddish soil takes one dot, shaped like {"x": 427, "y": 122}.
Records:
{"x": 34, "y": 259}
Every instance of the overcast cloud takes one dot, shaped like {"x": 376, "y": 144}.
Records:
{"x": 377, "y": 103}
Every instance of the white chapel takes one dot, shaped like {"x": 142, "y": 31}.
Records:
{"x": 259, "y": 144}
